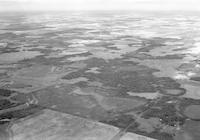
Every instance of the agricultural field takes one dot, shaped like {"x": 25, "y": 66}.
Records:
{"x": 136, "y": 72}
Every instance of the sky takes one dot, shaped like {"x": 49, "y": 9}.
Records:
{"x": 60, "y": 5}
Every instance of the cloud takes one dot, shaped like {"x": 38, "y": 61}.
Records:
{"x": 99, "y": 5}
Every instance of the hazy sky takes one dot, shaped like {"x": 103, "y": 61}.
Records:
{"x": 7, "y": 5}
